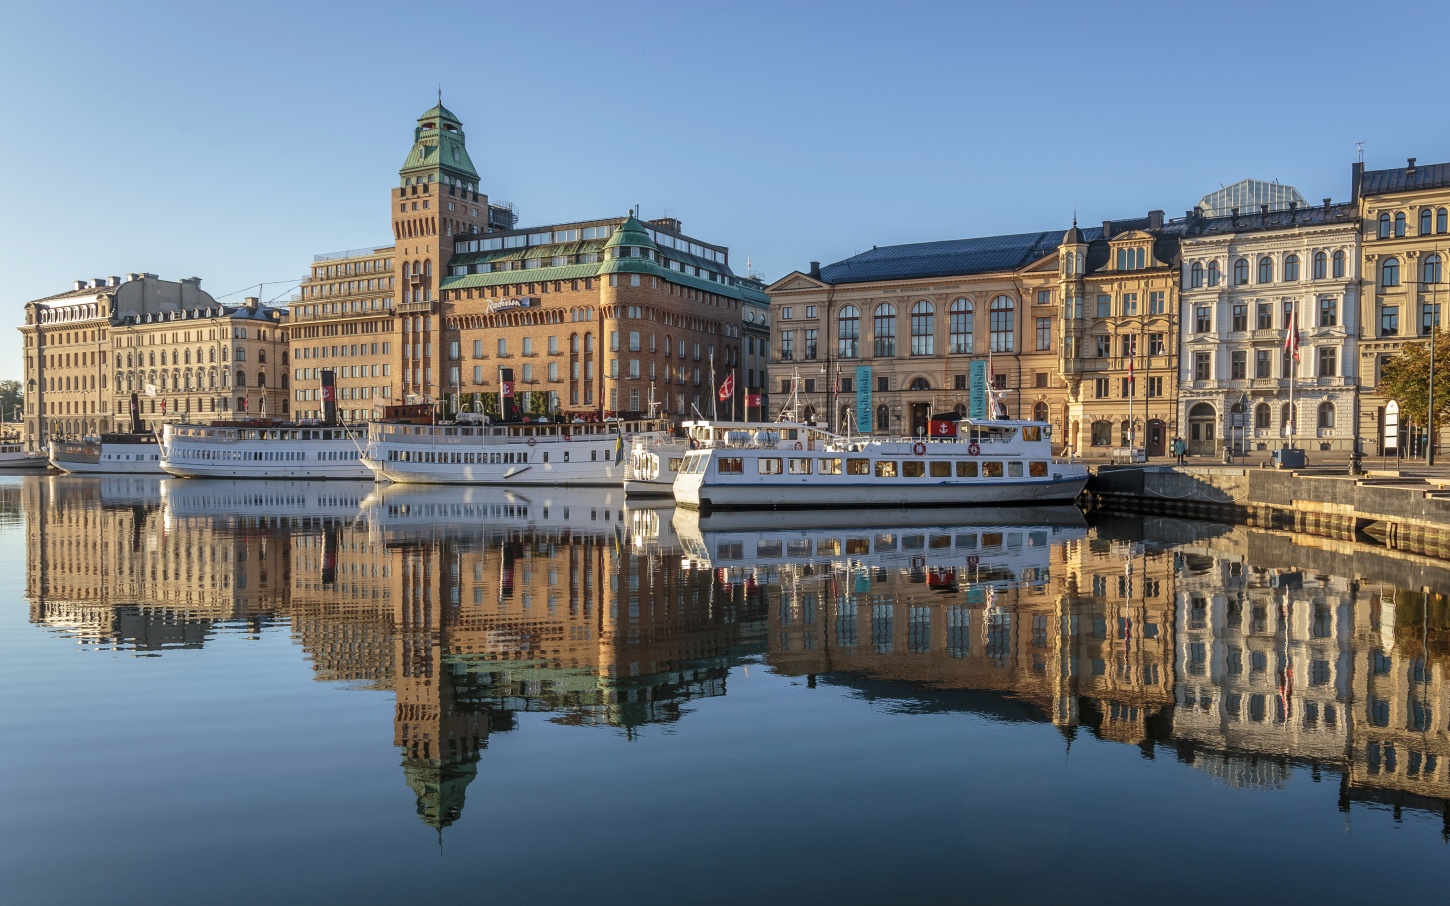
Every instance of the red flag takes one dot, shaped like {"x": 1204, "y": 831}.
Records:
{"x": 1291, "y": 339}
{"x": 1132, "y": 348}
{"x": 727, "y": 389}
{"x": 163, "y": 407}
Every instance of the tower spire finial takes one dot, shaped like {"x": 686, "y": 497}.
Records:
{"x": 440, "y": 94}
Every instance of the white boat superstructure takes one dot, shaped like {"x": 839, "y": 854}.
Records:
{"x": 577, "y": 454}
{"x": 966, "y": 463}
{"x": 134, "y": 454}
{"x": 14, "y": 458}
{"x": 655, "y": 461}
{"x": 277, "y": 450}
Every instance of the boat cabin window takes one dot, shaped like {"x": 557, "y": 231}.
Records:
{"x": 799, "y": 466}
{"x": 768, "y": 549}
{"x": 885, "y": 468}
{"x": 993, "y": 435}
{"x": 1031, "y": 432}
{"x": 966, "y": 470}
{"x": 730, "y": 465}
{"x": 991, "y": 470}
{"x": 831, "y": 466}
{"x": 941, "y": 469}
{"x": 1014, "y": 470}
{"x": 858, "y": 467}
{"x": 769, "y": 465}
{"x": 1037, "y": 469}
{"x": 913, "y": 468}
{"x": 828, "y": 547}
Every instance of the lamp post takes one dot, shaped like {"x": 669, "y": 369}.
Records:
{"x": 1434, "y": 331}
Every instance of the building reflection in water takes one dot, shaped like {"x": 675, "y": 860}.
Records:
{"x": 1236, "y": 650}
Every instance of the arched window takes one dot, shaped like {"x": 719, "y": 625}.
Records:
{"x": 1241, "y": 272}
{"x": 1424, "y": 221}
{"x": 1261, "y": 417}
{"x": 1213, "y": 275}
{"x": 920, "y": 383}
{"x": 1039, "y": 411}
{"x": 407, "y": 270}
{"x": 241, "y": 354}
{"x": 1003, "y": 324}
{"x": 883, "y": 419}
{"x": 1291, "y": 268}
{"x": 923, "y": 328}
{"x": 428, "y": 268}
{"x": 1384, "y": 226}
{"x": 883, "y": 328}
{"x": 1390, "y": 272}
{"x": 1102, "y": 434}
{"x": 241, "y": 378}
{"x": 1399, "y": 223}
{"x": 848, "y": 332}
{"x": 1195, "y": 275}
{"x": 1440, "y": 220}
{"x": 1321, "y": 265}
{"x": 960, "y": 317}
{"x": 1430, "y": 270}
{"x": 1326, "y": 415}
{"x": 1266, "y": 269}
{"x": 1338, "y": 264}
{"x": 186, "y": 359}
{"x": 261, "y": 379}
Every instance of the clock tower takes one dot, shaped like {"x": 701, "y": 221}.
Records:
{"x": 436, "y": 198}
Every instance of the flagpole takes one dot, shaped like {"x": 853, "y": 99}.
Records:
{"x": 1291, "y": 343}
{"x": 1132, "y": 427}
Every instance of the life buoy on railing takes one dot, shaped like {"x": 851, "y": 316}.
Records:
{"x": 919, "y": 448}
{"x": 973, "y": 449}
{"x": 798, "y": 445}
{"x": 532, "y": 441}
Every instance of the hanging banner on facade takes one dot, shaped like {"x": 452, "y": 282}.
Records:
{"x": 977, "y": 402}
{"x": 863, "y": 399}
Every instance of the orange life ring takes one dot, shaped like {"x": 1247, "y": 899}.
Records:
{"x": 532, "y": 441}
{"x": 919, "y": 448}
{"x": 798, "y": 445}
{"x": 973, "y": 449}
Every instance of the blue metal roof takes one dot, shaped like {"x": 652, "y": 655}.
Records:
{"x": 948, "y": 258}
{"x": 1401, "y": 179}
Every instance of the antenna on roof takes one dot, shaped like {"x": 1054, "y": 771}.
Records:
{"x": 440, "y": 94}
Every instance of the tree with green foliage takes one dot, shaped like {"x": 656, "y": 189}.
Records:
{"x": 1406, "y": 380}
{"x": 12, "y": 397}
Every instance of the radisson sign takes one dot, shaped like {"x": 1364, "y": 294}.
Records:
{"x": 507, "y": 304}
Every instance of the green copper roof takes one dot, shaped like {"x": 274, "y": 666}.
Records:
{"x": 532, "y": 275}
{"x": 439, "y": 112}
{"x": 631, "y": 232}
{"x": 438, "y": 148}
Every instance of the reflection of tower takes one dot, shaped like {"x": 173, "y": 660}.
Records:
{"x": 440, "y": 738}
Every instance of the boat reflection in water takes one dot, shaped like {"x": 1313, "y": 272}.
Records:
{"x": 1233, "y": 650}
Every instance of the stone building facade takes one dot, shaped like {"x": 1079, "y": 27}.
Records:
{"x": 1404, "y": 216}
{"x": 182, "y": 354}
{"x": 1246, "y": 278}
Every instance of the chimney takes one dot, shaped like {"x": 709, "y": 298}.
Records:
{"x": 251, "y": 302}
{"x": 1155, "y": 220}
{"x": 1264, "y": 210}
{"x": 1107, "y": 229}
{"x": 98, "y": 282}
{"x": 113, "y": 281}
{"x": 816, "y": 269}
{"x": 131, "y": 278}
{"x": 1293, "y": 211}
{"x": 1410, "y": 170}
{"x": 80, "y": 284}
{"x": 1356, "y": 179}
{"x": 1326, "y": 204}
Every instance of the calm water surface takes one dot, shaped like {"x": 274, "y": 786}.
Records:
{"x": 231, "y": 692}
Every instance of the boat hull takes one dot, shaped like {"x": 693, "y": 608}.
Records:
{"x": 746, "y": 495}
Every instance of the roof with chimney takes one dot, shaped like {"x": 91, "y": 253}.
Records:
{"x": 948, "y": 258}
{"x": 1405, "y": 179}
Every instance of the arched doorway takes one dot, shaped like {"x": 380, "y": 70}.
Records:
{"x": 1202, "y": 430}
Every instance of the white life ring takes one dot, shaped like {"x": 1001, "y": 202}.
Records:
{"x": 973, "y": 449}
{"x": 919, "y": 448}
{"x": 532, "y": 441}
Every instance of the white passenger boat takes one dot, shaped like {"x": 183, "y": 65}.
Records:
{"x": 966, "y": 463}
{"x": 14, "y": 458}
{"x": 134, "y": 454}
{"x": 263, "y": 450}
{"x": 654, "y": 460}
{"x": 582, "y": 454}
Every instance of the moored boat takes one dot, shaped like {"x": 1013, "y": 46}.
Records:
{"x": 134, "y": 454}
{"x": 965, "y": 463}
{"x": 14, "y": 458}
{"x": 263, "y": 449}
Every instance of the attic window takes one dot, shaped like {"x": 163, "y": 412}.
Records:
{"x": 1131, "y": 258}
{"x": 429, "y": 125}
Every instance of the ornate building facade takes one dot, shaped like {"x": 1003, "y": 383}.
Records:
{"x": 1246, "y": 278}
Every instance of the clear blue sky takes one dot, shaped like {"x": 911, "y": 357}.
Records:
{"x": 233, "y": 142}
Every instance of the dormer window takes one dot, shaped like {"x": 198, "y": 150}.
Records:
{"x": 1131, "y": 258}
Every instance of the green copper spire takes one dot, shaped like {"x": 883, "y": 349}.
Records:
{"x": 439, "y": 149}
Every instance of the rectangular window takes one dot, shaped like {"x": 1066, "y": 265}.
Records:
{"x": 478, "y": 374}
{"x": 731, "y": 465}
{"x": 1265, "y": 317}
{"x": 966, "y": 470}
{"x": 1327, "y": 358}
{"x": 1125, "y": 388}
{"x": 1100, "y": 388}
{"x": 1202, "y": 364}
{"x": 1156, "y": 304}
{"x": 1104, "y": 346}
{"x": 913, "y": 468}
{"x": 1203, "y": 319}
{"x": 1328, "y": 311}
{"x": 1390, "y": 321}
{"x": 1130, "y": 304}
{"x": 883, "y": 384}
{"x": 858, "y": 467}
{"x": 1261, "y": 363}
{"x": 885, "y": 468}
{"x": 503, "y": 346}
{"x": 1240, "y": 317}
{"x": 1105, "y": 306}
{"x": 810, "y": 339}
{"x": 991, "y": 470}
{"x": 1238, "y": 365}
{"x": 768, "y": 465}
{"x": 1155, "y": 387}
{"x": 1039, "y": 380}
{"x": 830, "y": 466}
{"x": 1044, "y": 333}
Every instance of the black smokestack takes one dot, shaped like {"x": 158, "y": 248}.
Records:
{"x": 506, "y": 406}
{"x": 329, "y": 396}
{"x": 135, "y": 413}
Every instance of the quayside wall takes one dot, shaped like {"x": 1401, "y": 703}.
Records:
{"x": 1395, "y": 512}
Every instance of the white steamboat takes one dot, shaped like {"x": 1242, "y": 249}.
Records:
{"x": 131, "y": 454}
{"x": 580, "y": 454}
{"x": 263, "y": 450}
{"x": 961, "y": 463}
